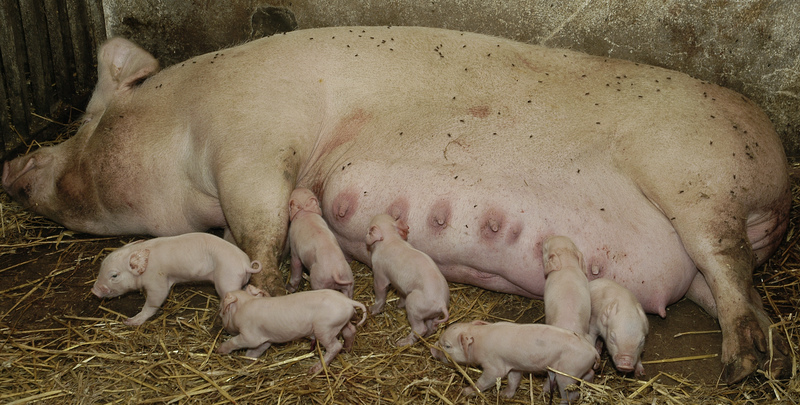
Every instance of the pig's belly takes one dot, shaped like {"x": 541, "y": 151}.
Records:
{"x": 485, "y": 228}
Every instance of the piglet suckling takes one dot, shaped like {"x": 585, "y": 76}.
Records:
{"x": 505, "y": 348}
{"x": 618, "y": 317}
{"x": 314, "y": 246}
{"x": 567, "y": 303}
{"x": 422, "y": 288}
{"x": 155, "y": 265}
{"x": 261, "y": 320}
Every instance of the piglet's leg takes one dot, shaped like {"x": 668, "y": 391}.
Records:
{"x": 489, "y": 377}
{"x": 258, "y": 351}
{"x": 349, "y": 335}
{"x": 381, "y": 285}
{"x": 514, "y": 378}
{"x": 332, "y": 347}
{"x": 297, "y": 273}
{"x": 155, "y": 297}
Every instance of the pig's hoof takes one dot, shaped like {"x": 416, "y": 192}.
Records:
{"x": 133, "y": 322}
{"x": 315, "y": 370}
{"x": 468, "y": 391}
{"x": 508, "y": 393}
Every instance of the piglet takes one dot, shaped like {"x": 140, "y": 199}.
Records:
{"x": 423, "y": 289}
{"x": 506, "y": 348}
{"x": 567, "y": 303}
{"x": 619, "y": 319}
{"x": 261, "y": 320}
{"x": 155, "y": 265}
{"x": 314, "y": 246}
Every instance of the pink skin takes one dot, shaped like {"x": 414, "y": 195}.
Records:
{"x": 261, "y": 320}
{"x": 567, "y": 303}
{"x": 155, "y": 265}
{"x": 314, "y": 246}
{"x": 423, "y": 289}
{"x": 505, "y": 348}
{"x": 619, "y": 319}
{"x": 483, "y": 150}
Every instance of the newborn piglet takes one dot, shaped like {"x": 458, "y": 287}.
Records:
{"x": 423, "y": 289}
{"x": 506, "y": 348}
{"x": 618, "y": 317}
{"x": 260, "y": 320}
{"x": 155, "y": 265}
{"x": 567, "y": 303}
{"x": 314, "y": 246}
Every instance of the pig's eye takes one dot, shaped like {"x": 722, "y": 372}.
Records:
{"x": 114, "y": 276}
{"x": 447, "y": 346}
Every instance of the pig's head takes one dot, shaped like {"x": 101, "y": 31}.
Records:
{"x": 302, "y": 199}
{"x": 120, "y": 271}
{"x": 61, "y": 181}
{"x": 458, "y": 342}
{"x": 383, "y": 226}
{"x": 560, "y": 251}
{"x": 625, "y": 336}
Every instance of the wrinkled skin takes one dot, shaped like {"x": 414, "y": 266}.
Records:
{"x": 423, "y": 290}
{"x": 261, "y": 320}
{"x": 566, "y": 289}
{"x": 483, "y": 145}
{"x": 314, "y": 246}
{"x": 505, "y": 348}
{"x": 619, "y": 319}
{"x": 155, "y": 265}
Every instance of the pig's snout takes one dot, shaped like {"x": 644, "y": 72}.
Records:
{"x": 438, "y": 354}
{"x": 624, "y": 363}
{"x": 100, "y": 290}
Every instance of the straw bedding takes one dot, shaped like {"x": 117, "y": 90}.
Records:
{"x": 60, "y": 344}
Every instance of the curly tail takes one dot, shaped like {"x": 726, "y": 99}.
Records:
{"x": 358, "y": 305}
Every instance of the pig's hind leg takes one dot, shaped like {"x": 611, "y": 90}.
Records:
{"x": 349, "y": 336}
{"x": 330, "y": 341}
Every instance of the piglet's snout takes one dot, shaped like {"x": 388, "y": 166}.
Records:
{"x": 624, "y": 363}
{"x": 100, "y": 290}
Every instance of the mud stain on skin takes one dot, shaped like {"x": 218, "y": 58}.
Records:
{"x": 346, "y": 130}
{"x": 480, "y": 111}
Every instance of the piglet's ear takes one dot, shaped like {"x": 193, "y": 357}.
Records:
{"x": 294, "y": 208}
{"x": 479, "y": 322}
{"x": 402, "y": 228}
{"x": 466, "y": 344}
{"x": 610, "y": 311}
{"x": 228, "y": 304}
{"x": 138, "y": 261}
{"x": 374, "y": 235}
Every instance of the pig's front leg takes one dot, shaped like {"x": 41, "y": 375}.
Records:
{"x": 381, "y": 286}
{"x": 255, "y": 207}
{"x": 514, "y": 378}
{"x": 487, "y": 379}
{"x": 155, "y": 298}
{"x": 297, "y": 273}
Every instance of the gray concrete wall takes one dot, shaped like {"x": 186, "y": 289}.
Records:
{"x": 751, "y": 46}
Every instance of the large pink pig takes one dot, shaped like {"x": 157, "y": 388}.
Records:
{"x": 483, "y": 145}
{"x": 619, "y": 319}
{"x": 155, "y": 265}
{"x": 314, "y": 246}
{"x": 423, "y": 289}
{"x": 567, "y": 303}
{"x": 506, "y": 348}
{"x": 261, "y": 320}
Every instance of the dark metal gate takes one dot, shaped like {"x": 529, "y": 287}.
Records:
{"x": 47, "y": 53}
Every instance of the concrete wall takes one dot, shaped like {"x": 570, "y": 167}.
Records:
{"x": 751, "y": 46}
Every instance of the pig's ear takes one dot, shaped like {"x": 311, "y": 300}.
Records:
{"x": 294, "y": 208}
{"x": 402, "y": 228}
{"x": 124, "y": 64}
{"x": 552, "y": 263}
{"x": 479, "y": 322}
{"x": 228, "y": 302}
{"x": 466, "y": 344}
{"x": 374, "y": 235}
{"x": 138, "y": 261}
{"x": 121, "y": 66}
{"x": 608, "y": 313}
